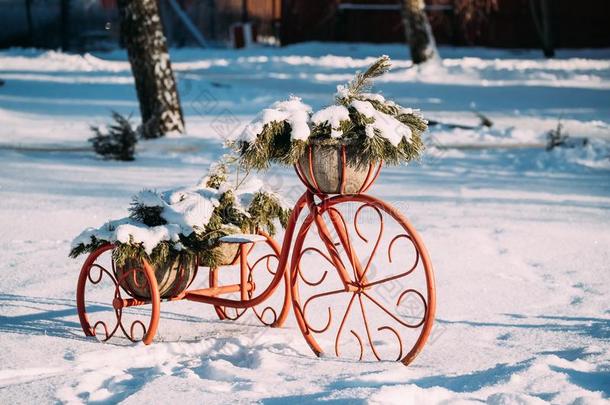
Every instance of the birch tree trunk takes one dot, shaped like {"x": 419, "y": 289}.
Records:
{"x": 541, "y": 13}
{"x": 28, "y": 17}
{"x": 65, "y": 31}
{"x": 142, "y": 35}
{"x": 417, "y": 31}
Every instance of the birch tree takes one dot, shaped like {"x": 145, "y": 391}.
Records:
{"x": 418, "y": 31}
{"x": 541, "y": 13}
{"x": 142, "y": 35}
{"x": 474, "y": 16}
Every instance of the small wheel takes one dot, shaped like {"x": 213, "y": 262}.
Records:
{"x": 105, "y": 310}
{"x": 263, "y": 260}
{"x": 361, "y": 280}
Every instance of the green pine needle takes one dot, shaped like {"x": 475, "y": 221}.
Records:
{"x": 274, "y": 145}
{"x": 364, "y": 81}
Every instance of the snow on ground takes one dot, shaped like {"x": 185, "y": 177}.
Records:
{"x": 519, "y": 237}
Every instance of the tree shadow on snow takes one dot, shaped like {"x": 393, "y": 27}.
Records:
{"x": 43, "y": 322}
{"x": 61, "y": 323}
{"x": 598, "y": 328}
{"x": 591, "y": 381}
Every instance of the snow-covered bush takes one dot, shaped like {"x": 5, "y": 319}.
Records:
{"x": 372, "y": 128}
{"x": 187, "y": 221}
{"x": 119, "y": 143}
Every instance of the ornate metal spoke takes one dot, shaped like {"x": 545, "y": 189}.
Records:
{"x": 383, "y": 323}
{"x": 345, "y": 241}
{"x": 102, "y": 271}
{"x": 401, "y": 275}
{"x": 330, "y": 314}
{"x": 262, "y": 315}
{"x": 384, "y": 309}
{"x": 238, "y": 313}
{"x": 377, "y": 241}
{"x": 359, "y": 343}
{"x": 107, "y": 335}
{"x": 331, "y": 246}
{"x": 338, "y": 335}
{"x": 321, "y": 280}
{"x": 366, "y": 326}
{"x": 132, "y": 327}
{"x": 266, "y": 257}
{"x": 93, "y": 274}
{"x": 421, "y": 297}
{"x": 389, "y": 328}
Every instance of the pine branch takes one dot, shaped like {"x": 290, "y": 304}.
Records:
{"x": 146, "y": 214}
{"x": 217, "y": 176}
{"x": 118, "y": 143}
{"x": 364, "y": 81}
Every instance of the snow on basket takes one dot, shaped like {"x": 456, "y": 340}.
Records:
{"x": 339, "y": 149}
{"x": 243, "y": 238}
{"x": 178, "y": 230}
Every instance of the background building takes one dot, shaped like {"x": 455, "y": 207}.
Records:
{"x": 92, "y": 24}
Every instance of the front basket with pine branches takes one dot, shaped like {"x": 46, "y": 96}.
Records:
{"x": 372, "y": 128}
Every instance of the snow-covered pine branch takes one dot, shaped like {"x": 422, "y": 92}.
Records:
{"x": 373, "y": 128}
{"x": 188, "y": 221}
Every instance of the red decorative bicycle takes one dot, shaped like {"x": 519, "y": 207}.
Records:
{"x": 357, "y": 274}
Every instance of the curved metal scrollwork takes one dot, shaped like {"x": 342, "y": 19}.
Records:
{"x": 260, "y": 315}
{"x": 96, "y": 277}
{"x": 261, "y": 269}
{"x": 374, "y": 298}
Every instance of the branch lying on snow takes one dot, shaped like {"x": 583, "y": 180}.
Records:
{"x": 484, "y": 122}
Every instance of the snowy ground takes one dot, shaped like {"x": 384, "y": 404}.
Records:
{"x": 519, "y": 237}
